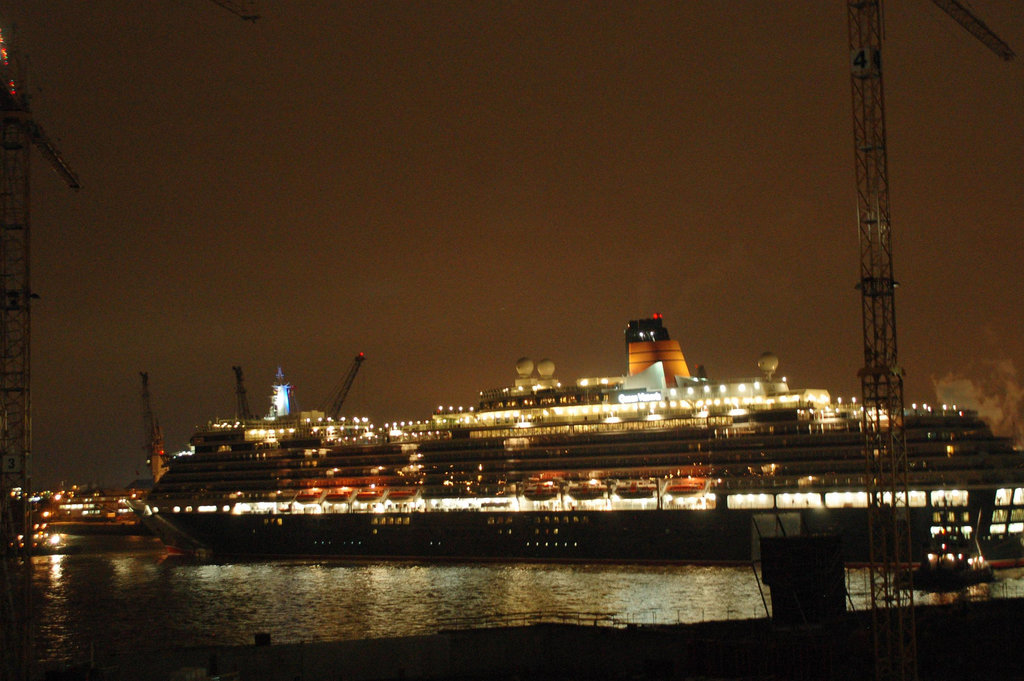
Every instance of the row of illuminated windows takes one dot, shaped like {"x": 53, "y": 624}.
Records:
{"x": 840, "y": 499}
{"x": 565, "y": 544}
{"x": 554, "y": 520}
{"x": 965, "y": 531}
{"x": 951, "y": 516}
{"x": 1001, "y": 515}
{"x": 1000, "y": 528}
{"x": 1004, "y": 496}
{"x": 390, "y": 520}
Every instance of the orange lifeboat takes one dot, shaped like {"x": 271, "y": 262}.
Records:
{"x": 592, "y": 489}
{"x": 541, "y": 491}
{"x": 637, "y": 489}
{"x": 400, "y": 495}
{"x": 684, "y": 486}
{"x": 311, "y": 495}
{"x": 372, "y": 494}
{"x": 340, "y": 495}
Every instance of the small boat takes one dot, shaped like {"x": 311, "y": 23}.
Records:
{"x": 952, "y": 563}
{"x": 312, "y": 495}
{"x": 541, "y": 491}
{"x": 637, "y": 489}
{"x": 591, "y": 489}
{"x": 684, "y": 486}
{"x": 372, "y": 494}
{"x": 342, "y": 495}
{"x": 403, "y": 495}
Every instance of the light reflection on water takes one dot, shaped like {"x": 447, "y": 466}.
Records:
{"x": 122, "y": 594}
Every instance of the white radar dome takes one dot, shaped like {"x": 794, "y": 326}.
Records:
{"x": 546, "y": 368}
{"x": 768, "y": 363}
{"x": 524, "y": 367}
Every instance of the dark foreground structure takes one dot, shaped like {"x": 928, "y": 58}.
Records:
{"x": 965, "y": 640}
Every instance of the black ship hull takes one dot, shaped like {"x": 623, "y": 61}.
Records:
{"x": 717, "y": 536}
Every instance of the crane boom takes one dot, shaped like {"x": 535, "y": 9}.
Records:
{"x": 242, "y": 10}
{"x": 154, "y": 445}
{"x": 13, "y": 100}
{"x": 976, "y": 27}
{"x": 242, "y": 410}
{"x": 53, "y": 155}
{"x": 340, "y": 392}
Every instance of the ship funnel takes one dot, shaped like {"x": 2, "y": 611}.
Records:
{"x": 648, "y": 342}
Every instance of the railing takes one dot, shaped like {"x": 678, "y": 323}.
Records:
{"x": 525, "y": 619}
{"x": 647, "y": 617}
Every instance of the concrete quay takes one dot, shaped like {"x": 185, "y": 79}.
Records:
{"x": 966, "y": 640}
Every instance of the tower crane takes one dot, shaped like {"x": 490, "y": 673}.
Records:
{"x": 885, "y": 453}
{"x": 18, "y": 134}
{"x": 242, "y": 410}
{"x": 332, "y": 407}
{"x": 155, "y": 456}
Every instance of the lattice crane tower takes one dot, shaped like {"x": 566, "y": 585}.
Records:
{"x": 18, "y": 132}
{"x": 885, "y": 451}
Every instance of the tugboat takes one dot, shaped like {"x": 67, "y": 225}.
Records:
{"x": 953, "y": 562}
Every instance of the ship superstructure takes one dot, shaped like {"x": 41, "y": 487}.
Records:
{"x": 656, "y": 465}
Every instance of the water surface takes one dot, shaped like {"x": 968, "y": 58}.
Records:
{"x": 122, "y": 594}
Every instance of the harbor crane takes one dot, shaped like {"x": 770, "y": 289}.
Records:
{"x": 885, "y": 453}
{"x": 332, "y": 407}
{"x": 242, "y": 410}
{"x": 155, "y": 457}
{"x": 19, "y": 132}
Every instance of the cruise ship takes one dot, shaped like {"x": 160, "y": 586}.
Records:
{"x": 657, "y": 465}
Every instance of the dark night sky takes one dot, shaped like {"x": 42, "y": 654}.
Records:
{"x": 448, "y": 186}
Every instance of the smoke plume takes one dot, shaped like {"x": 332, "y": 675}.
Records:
{"x": 993, "y": 389}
